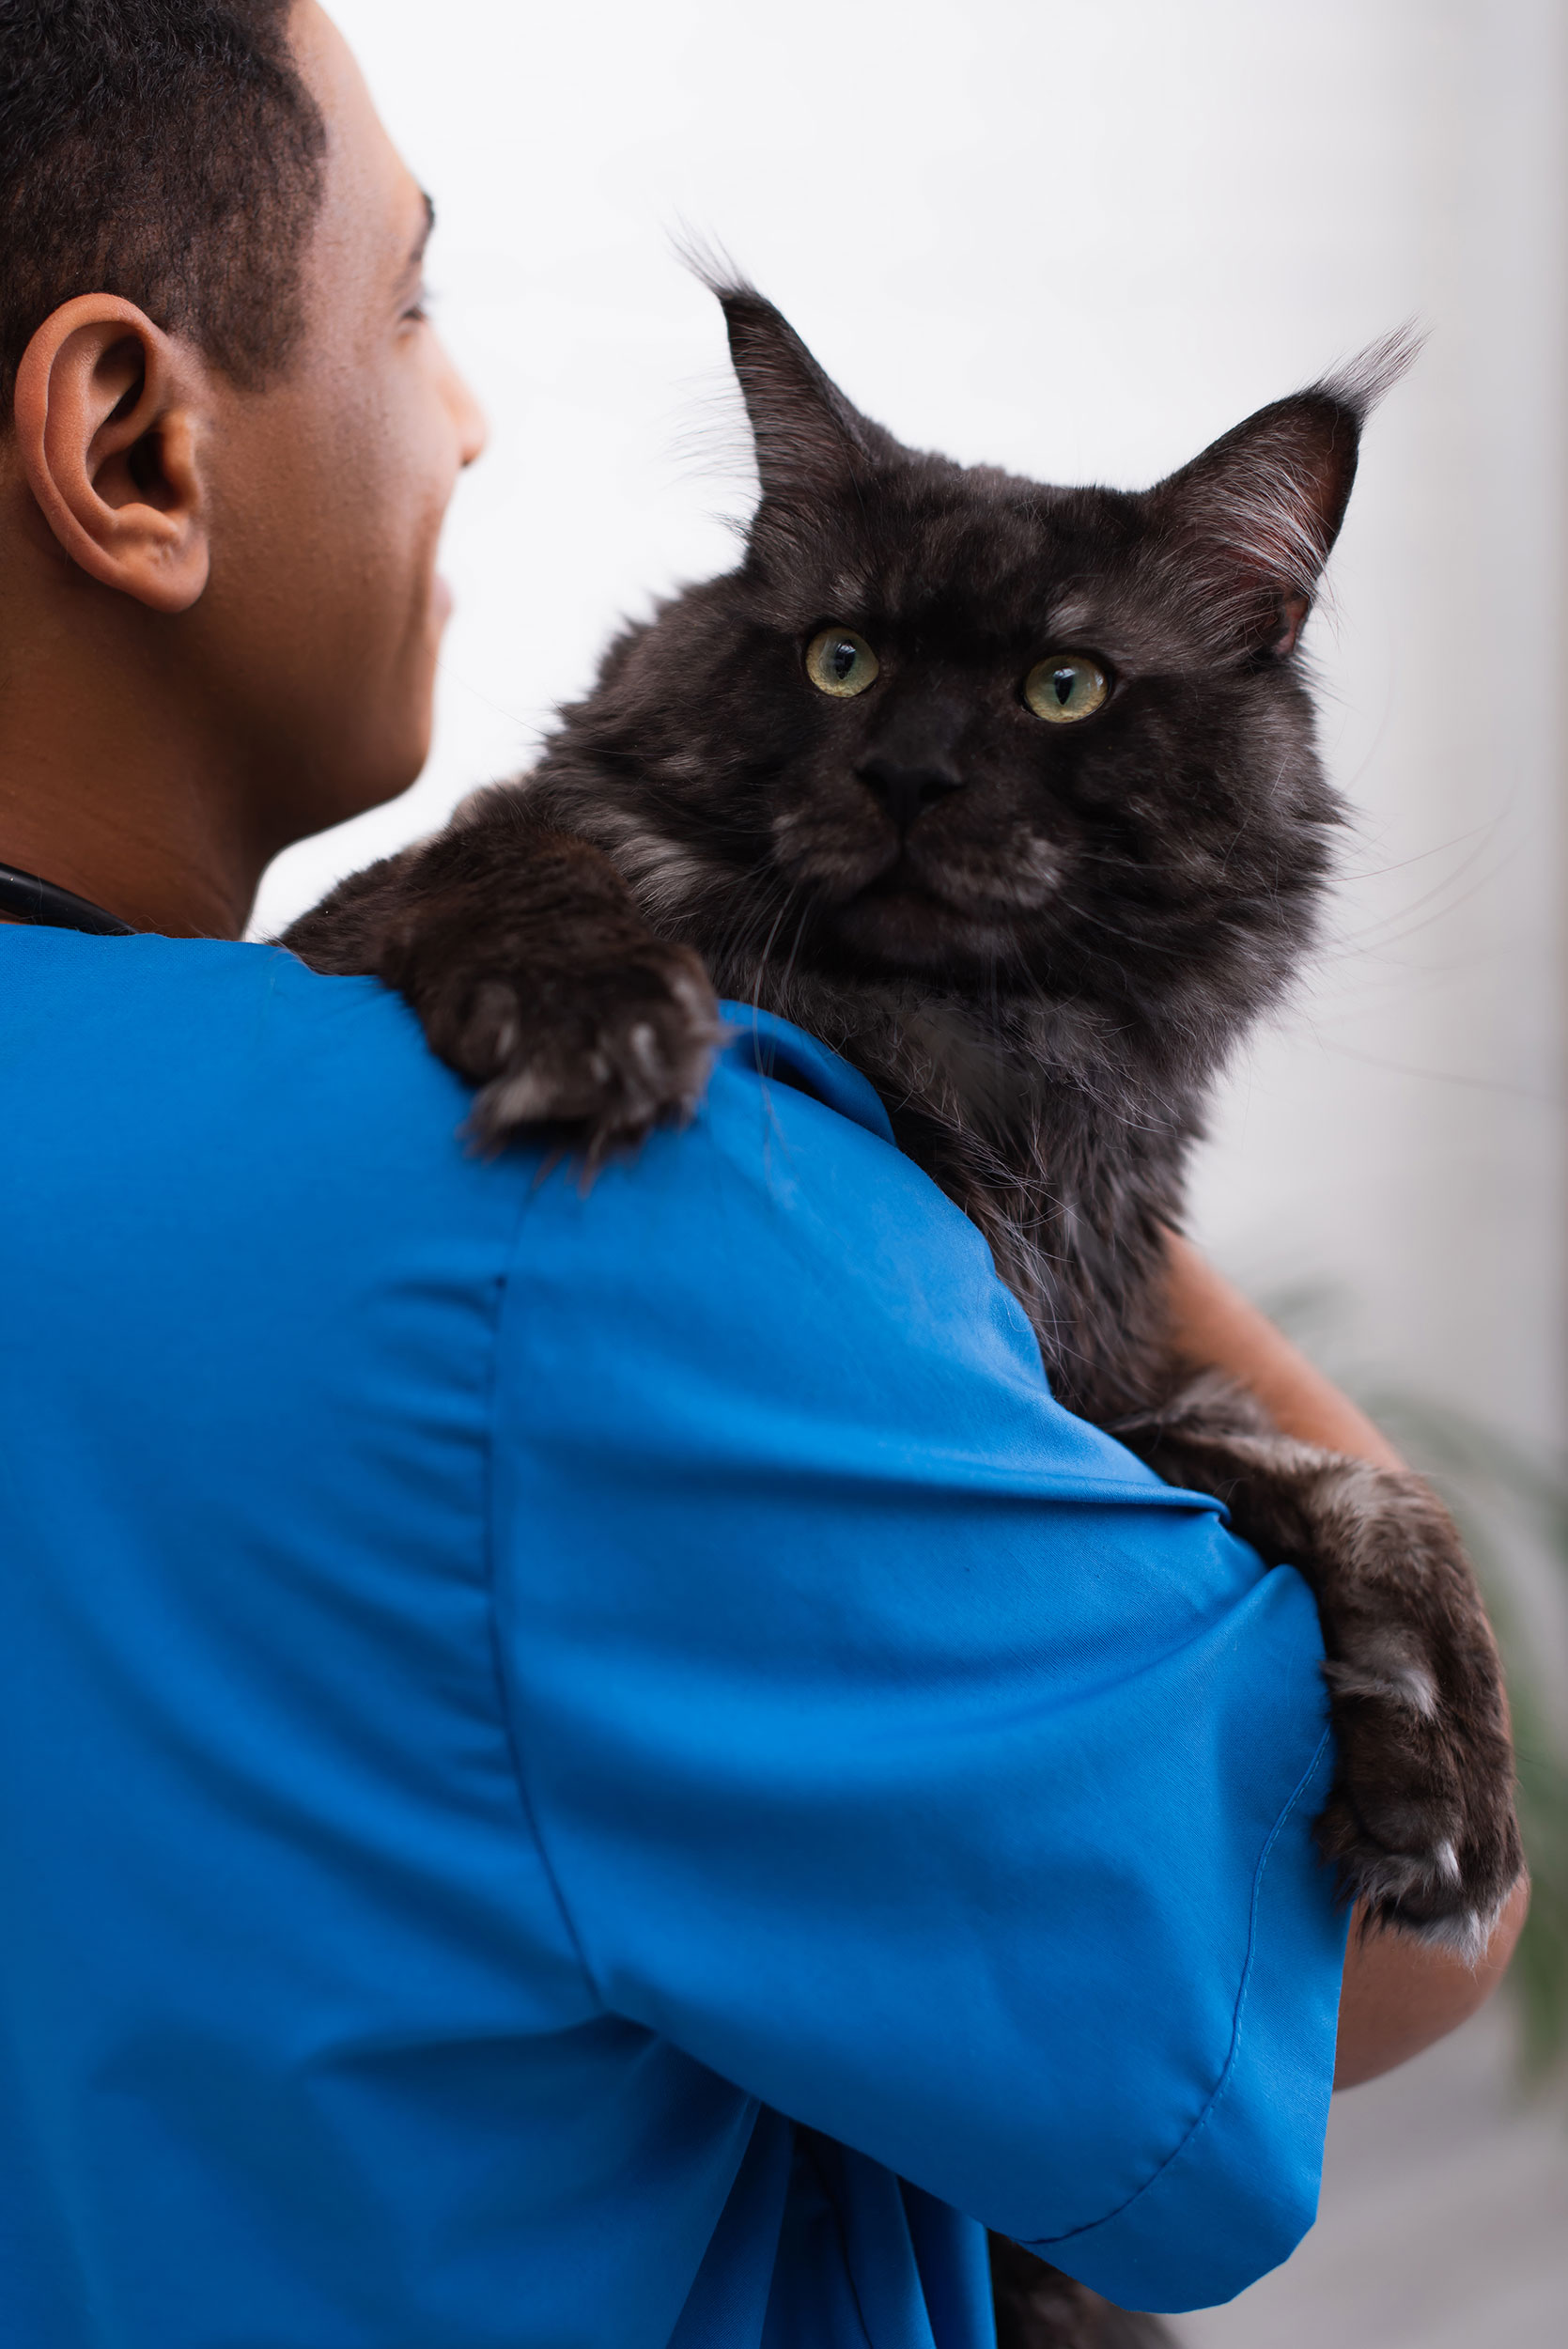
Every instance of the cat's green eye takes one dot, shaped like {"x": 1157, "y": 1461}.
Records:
{"x": 840, "y": 662}
{"x": 1067, "y": 687}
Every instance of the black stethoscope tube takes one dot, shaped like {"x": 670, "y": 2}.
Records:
{"x": 27, "y": 898}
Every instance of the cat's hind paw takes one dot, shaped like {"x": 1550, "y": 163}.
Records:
{"x": 1428, "y": 1894}
{"x": 1420, "y": 1826}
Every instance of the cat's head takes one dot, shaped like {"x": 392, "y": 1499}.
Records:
{"x": 1004, "y": 739}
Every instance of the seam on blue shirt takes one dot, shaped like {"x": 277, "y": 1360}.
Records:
{"x": 1045, "y": 2242}
{"x": 508, "y": 1719}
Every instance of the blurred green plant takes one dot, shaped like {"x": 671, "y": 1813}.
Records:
{"x": 1510, "y": 1504}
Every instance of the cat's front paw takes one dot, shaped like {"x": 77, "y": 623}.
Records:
{"x": 1420, "y": 1825}
{"x": 608, "y": 1051}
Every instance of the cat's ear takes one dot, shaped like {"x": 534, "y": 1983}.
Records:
{"x": 810, "y": 440}
{"x": 1249, "y": 523}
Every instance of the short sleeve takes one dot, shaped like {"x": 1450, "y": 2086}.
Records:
{"x": 901, "y": 1749}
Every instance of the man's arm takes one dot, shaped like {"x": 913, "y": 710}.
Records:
{"x": 1400, "y": 1994}
{"x": 903, "y": 1751}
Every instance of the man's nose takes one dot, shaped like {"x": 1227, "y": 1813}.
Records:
{"x": 907, "y": 790}
{"x": 473, "y": 427}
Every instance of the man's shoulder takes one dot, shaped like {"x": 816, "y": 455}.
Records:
{"x": 234, "y": 1073}
{"x": 184, "y": 1112}
{"x": 221, "y": 1109}
{"x": 183, "y": 1048}
{"x": 201, "y": 1041}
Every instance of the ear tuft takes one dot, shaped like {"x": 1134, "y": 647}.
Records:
{"x": 1364, "y": 381}
{"x": 1250, "y": 521}
{"x": 810, "y": 440}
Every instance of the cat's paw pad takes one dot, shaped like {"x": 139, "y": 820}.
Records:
{"x": 608, "y": 1054}
{"x": 1420, "y": 1826}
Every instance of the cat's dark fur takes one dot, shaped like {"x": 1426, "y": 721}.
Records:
{"x": 1039, "y": 940}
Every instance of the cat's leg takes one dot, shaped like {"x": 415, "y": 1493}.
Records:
{"x": 1038, "y": 2306}
{"x": 1419, "y": 1825}
{"x": 518, "y": 946}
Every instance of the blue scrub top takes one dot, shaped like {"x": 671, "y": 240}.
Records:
{"x": 594, "y": 1769}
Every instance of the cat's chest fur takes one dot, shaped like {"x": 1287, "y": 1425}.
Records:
{"x": 1060, "y": 1134}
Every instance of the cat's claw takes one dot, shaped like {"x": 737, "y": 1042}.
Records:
{"x": 1411, "y": 1844}
{"x": 1420, "y": 1826}
{"x": 605, "y": 1060}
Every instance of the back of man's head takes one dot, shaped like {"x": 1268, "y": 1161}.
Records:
{"x": 229, "y": 438}
{"x": 165, "y": 151}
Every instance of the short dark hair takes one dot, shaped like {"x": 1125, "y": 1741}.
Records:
{"x": 165, "y": 151}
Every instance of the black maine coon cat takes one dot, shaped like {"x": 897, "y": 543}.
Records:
{"x": 1009, "y": 794}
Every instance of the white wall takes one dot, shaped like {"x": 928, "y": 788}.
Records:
{"x": 1082, "y": 240}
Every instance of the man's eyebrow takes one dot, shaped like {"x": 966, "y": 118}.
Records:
{"x": 427, "y": 232}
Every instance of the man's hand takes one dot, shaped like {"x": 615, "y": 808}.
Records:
{"x": 1399, "y": 1995}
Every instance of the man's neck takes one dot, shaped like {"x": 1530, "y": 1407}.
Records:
{"x": 111, "y": 788}
{"x": 118, "y": 856}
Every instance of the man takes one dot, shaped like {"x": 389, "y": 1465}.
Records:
{"x": 594, "y": 1769}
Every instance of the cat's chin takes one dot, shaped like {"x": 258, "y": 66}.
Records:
{"x": 907, "y": 929}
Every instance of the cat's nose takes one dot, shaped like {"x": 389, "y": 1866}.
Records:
{"x": 906, "y": 792}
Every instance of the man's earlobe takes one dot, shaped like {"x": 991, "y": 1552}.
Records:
{"x": 109, "y": 419}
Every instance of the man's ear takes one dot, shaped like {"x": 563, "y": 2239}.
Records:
{"x": 109, "y": 426}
